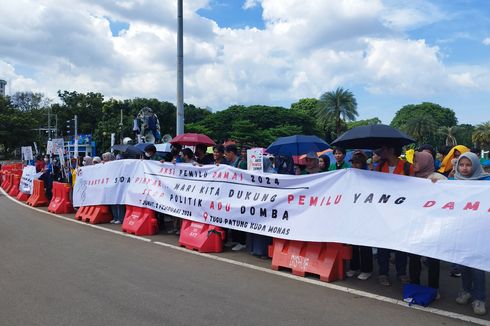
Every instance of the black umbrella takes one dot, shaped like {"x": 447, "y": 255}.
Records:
{"x": 372, "y": 137}
{"x": 128, "y": 150}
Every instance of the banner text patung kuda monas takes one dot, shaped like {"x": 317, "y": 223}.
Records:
{"x": 449, "y": 220}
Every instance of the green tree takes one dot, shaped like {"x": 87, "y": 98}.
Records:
{"x": 443, "y": 117}
{"x": 422, "y": 129}
{"x": 255, "y": 125}
{"x": 463, "y": 134}
{"x": 449, "y": 133}
{"x": 307, "y": 105}
{"x": 481, "y": 135}
{"x": 339, "y": 105}
{"x": 367, "y": 122}
{"x": 16, "y": 128}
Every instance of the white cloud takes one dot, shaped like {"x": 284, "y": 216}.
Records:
{"x": 486, "y": 41}
{"x": 249, "y": 4}
{"x": 306, "y": 48}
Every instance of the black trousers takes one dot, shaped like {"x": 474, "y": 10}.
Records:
{"x": 362, "y": 259}
{"x": 415, "y": 267}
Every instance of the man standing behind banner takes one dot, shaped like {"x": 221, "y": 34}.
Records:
{"x": 391, "y": 163}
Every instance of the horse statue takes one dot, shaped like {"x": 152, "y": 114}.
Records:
{"x": 149, "y": 126}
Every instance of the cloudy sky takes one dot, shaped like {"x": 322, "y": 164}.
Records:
{"x": 388, "y": 52}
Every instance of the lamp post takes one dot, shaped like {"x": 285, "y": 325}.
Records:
{"x": 180, "y": 68}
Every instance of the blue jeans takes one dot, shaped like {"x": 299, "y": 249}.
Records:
{"x": 473, "y": 282}
{"x": 384, "y": 262}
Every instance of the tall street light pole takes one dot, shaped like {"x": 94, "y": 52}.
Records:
{"x": 180, "y": 69}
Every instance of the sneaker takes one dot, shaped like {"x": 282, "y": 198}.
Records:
{"x": 364, "y": 276}
{"x": 238, "y": 247}
{"x": 463, "y": 297}
{"x": 117, "y": 222}
{"x": 438, "y": 295}
{"x": 404, "y": 279}
{"x": 384, "y": 280}
{"x": 172, "y": 231}
{"x": 177, "y": 232}
{"x": 479, "y": 307}
{"x": 229, "y": 244}
{"x": 455, "y": 273}
{"x": 351, "y": 273}
{"x": 112, "y": 222}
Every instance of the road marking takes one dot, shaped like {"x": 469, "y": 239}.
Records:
{"x": 365, "y": 294}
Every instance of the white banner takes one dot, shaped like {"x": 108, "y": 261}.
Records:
{"x": 449, "y": 220}
{"x": 27, "y": 153}
{"x": 27, "y": 180}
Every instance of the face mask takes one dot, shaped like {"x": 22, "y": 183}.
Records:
{"x": 46, "y": 160}
{"x": 147, "y": 154}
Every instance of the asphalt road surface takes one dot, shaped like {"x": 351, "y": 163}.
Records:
{"x": 54, "y": 272}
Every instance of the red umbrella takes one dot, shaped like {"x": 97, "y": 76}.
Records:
{"x": 192, "y": 140}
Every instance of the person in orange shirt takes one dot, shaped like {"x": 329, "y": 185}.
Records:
{"x": 391, "y": 163}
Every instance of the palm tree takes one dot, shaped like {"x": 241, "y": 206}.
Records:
{"x": 481, "y": 135}
{"x": 449, "y": 132}
{"x": 421, "y": 128}
{"x": 338, "y": 105}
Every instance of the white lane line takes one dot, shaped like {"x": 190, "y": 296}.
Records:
{"x": 95, "y": 226}
{"x": 365, "y": 294}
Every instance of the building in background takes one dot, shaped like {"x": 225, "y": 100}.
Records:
{"x": 3, "y": 83}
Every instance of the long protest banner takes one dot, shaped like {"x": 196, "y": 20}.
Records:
{"x": 449, "y": 220}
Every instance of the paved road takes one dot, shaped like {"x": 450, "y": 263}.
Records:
{"x": 54, "y": 272}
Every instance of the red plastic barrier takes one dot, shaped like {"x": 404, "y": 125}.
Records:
{"x": 22, "y": 196}
{"x": 6, "y": 180}
{"x": 325, "y": 259}
{"x": 60, "y": 202}
{"x": 139, "y": 221}
{"x": 38, "y": 197}
{"x": 9, "y": 181}
{"x": 14, "y": 189}
{"x": 201, "y": 237}
{"x": 94, "y": 214}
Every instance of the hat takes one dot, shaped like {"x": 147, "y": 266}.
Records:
{"x": 312, "y": 155}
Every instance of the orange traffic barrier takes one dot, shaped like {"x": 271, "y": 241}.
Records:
{"x": 22, "y": 196}
{"x": 94, "y": 214}
{"x": 9, "y": 181}
{"x": 201, "y": 237}
{"x": 14, "y": 188}
{"x": 38, "y": 197}
{"x": 6, "y": 180}
{"x": 139, "y": 221}
{"x": 325, "y": 259}
{"x": 60, "y": 202}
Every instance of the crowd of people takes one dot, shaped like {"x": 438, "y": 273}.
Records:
{"x": 457, "y": 163}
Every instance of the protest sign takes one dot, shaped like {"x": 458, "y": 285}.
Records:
{"x": 27, "y": 153}
{"x": 254, "y": 159}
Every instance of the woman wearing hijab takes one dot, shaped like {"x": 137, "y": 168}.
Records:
{"x": 468, "y": 167}
{"x": 423, "y": 167}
